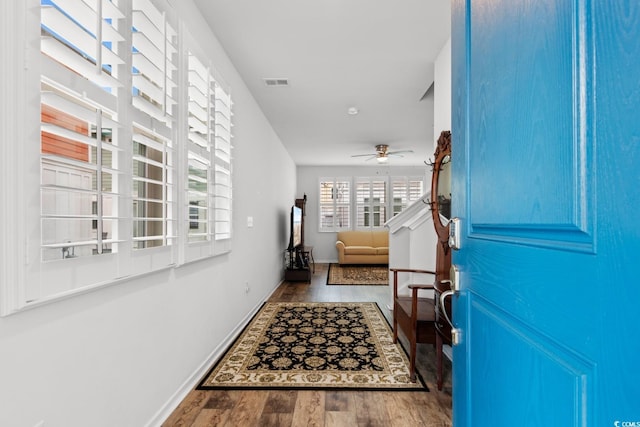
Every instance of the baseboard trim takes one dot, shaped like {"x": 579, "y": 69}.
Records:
{"x": 326, "y": 261}
{"x": 167, "y": 409}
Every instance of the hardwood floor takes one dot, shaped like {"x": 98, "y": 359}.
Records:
{"x": 240, "y": 408}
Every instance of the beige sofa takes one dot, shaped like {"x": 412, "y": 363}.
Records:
{"x": 363, "y": 247}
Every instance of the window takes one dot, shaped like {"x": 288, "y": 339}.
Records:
{"x": 154, "y": 75}
{"x": 199, "y": 171}
{"x": 335, "y": 204}
{"x": 114, "y": 147}
{"x": 223, "y": 188}
{"x": 80, "y": 130}
{"x": 209, "y": 190}
{"x": 405, "y": 190}
{"x": 370, "y": 202}
{"x": 153, "y": 190}
{"x": 153, "y": 61}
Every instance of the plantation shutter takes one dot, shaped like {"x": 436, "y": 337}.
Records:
{"x": 335, "y": 204}
{"x": 404, "y": 192}
{"x": 199, "y": 172}
{"x": 222, "y": 156}
{"x": 153, "y": 63}
{"x": 153, "y": 189}
{"x": 370, "y": 203}
{"x": 104, "y": 207}
{"x": 79, "y": 128}
{"x": 154, "y": 74}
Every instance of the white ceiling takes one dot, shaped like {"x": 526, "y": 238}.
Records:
{"x": 375, "y": 55}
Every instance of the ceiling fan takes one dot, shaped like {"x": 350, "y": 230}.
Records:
{"x": 382, "y": 154}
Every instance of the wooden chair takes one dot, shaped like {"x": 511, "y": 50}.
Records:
{"x": 423, "y": 320}
{"x": 415, "y": 316}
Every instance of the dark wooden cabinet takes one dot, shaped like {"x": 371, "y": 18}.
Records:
{"x": 297, "y": 267}
{"x": 302, "y": 274}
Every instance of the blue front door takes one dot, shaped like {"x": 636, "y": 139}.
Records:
{"x": 546, "y": 182}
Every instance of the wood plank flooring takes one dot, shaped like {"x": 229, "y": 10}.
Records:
{"x": 247, "y": 408}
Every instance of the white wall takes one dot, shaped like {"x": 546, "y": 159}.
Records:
{"x": 309, "y": 181}
{"x": 442, "y": 92}
{"x": 442, "y": 104}
{"x": 121, "y": 355}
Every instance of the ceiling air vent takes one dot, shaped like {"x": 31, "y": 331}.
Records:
{"x": 276, "y": 82}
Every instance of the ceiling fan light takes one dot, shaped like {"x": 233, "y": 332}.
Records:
{"x": 382, "y": 159}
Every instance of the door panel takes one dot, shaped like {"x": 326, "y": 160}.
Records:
{"x": 503, "y": 120}
{"x": 505, "y": 348}
{"x": 546, "y": 156}
{"x": 536, "y": 73}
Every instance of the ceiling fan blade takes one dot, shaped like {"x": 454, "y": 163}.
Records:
{"x": 382, "y": 153}
{"x": 396, "y": 153}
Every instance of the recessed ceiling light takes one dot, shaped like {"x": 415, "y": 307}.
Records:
{"x": 352, "y": 111}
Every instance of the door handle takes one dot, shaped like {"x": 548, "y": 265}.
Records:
{"x": 444, "y": 295}
{"x": 454, "y": 284}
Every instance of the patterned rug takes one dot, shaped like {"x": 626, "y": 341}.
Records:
{"x": 307, "y": 345}
{"x": 358, "y": 275}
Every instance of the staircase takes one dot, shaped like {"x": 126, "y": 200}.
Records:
{"x": 412, "y": 239}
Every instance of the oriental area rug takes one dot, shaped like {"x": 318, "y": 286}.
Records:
{"x": 358, "y": 275}
{"x": 307, "y": 345}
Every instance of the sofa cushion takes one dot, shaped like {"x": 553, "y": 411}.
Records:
{"x": 382, "y": 251}
{"x": 359, "y": 250}
{"x": 380, "y": 239}
{"x": 355, "y": 238}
